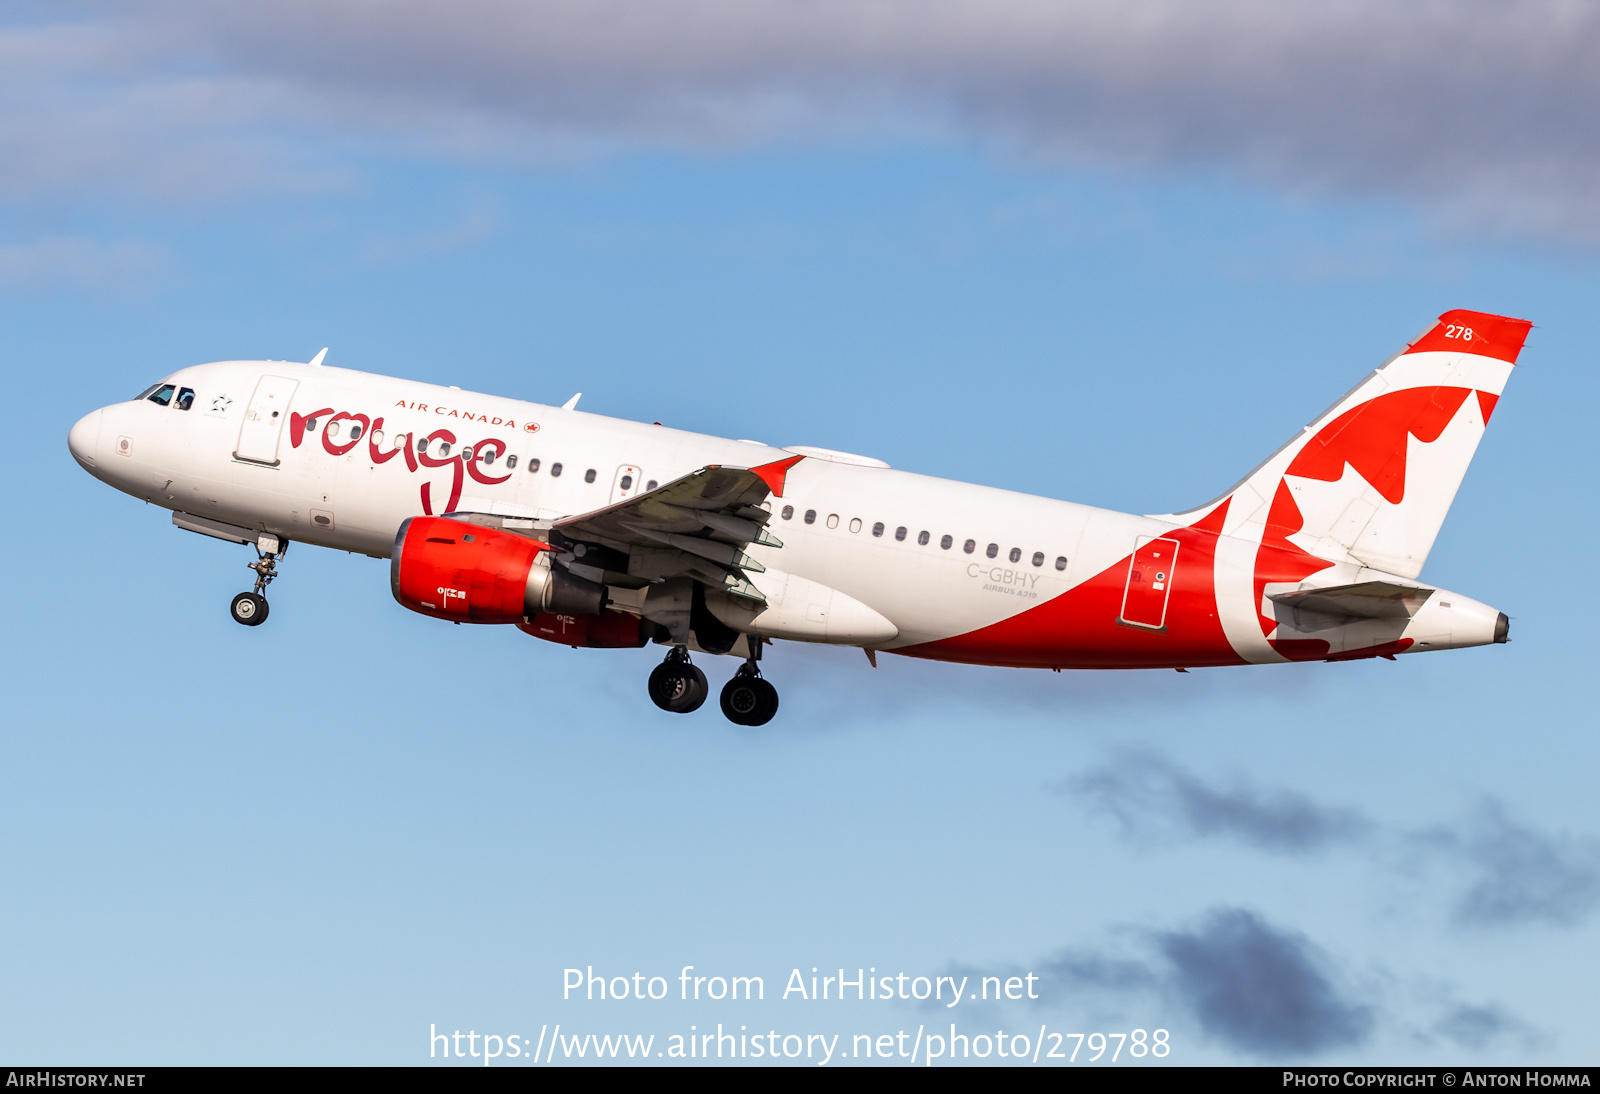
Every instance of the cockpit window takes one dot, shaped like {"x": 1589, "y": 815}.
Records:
{"x": 185, "y": 398}
{"x": 146, "y": 393}
{"x": 163, "y": 395}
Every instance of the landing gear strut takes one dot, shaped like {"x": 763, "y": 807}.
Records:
{"x": 251, "y": 608}
{"x": 748, "y": 699}
{"x": 678, "y": 686}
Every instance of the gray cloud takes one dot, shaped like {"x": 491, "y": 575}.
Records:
{"x": 1257, "y": 988}
{"x": 1472, "y": 1026}
{"x": 1483, "y": 112}
{"x": 1151, "y": 798}
{"x": 1249, "y": 985}
{"x": 1518, "y": 875}
{"x": 1261, "y": 989}
{"x": 1512, "y": 875}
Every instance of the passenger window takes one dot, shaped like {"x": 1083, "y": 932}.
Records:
{"x": 355, "y": 432}
{"x": 163, "y": 395}
{"x": 311, "y": 427}
{"x": 945, "y": 542}
{"x": 333, "y": 429}
{"x": 833, "y": 520}
{"x": 555, "y": 471}
{"x": 1061, "y": 562}
{"x": 970, "y": 546}
{"x": 401, "y": 440}
{"x": 511, "y": 463}
{"x": 1016, "y": 554}
{"x": 1038, "y": 558}
{"x": 922, "y": 538}
{"x": 877, "y": 529}
{"x": 992, "y": 550}
{"x": 185, "y": 398}
{"x": 588, "y": 476}
{"x": 488, "y": 456}
{"x": 627, "y": 482}
{"x": 855, "y": 524}
{"x": 811, "y": 516}
{"x": 444, "y": 449}
{"x": 533, "y": 465}
{"x": 422, "y": 442}
{"x": 468, "y": 453}
{"x": 377, "y": 437}
{"x": 651, "y": 485}
{"x": 788, "y": 512}
{"x": 900, "y": 533}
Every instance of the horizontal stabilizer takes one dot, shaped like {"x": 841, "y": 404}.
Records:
{"x": 1368, "y": 600}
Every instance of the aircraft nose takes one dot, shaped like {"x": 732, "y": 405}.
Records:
{"x": 84, "y": 439}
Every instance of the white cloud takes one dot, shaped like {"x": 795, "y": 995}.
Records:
{"x": 1484, "y": 112}
{"x": 46, "y": 263}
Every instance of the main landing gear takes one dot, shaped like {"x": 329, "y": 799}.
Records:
{"x": 251, "y": 608}
{"x": 677, "y": 686}
{"x": 747, "y": 699}
{"x": 680, "y": 687}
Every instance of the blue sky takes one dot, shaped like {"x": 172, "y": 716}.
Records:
{"x": 305, "y": 843}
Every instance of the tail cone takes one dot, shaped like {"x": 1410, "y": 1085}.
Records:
{"x": 1502, "y": 628}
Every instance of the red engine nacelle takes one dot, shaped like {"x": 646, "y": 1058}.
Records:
{"x": 608, "y": 630}
{"x": 467, "y": 573}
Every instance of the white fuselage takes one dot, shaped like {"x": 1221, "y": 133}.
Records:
{"x": 950, "y": 558}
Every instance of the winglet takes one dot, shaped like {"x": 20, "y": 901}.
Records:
{"x": 774, "y": 473}
{"x": 572, "y": 403}
{"x": 316, "y": 362}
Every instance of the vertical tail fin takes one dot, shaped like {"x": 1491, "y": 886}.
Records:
{"x": 1370, "y": 480}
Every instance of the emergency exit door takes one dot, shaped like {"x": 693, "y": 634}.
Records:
{"x": 263, "y": 420}
{"x": 1150, "y": 574}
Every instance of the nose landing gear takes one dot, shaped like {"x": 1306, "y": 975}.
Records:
{"x": 748, "y": 699}
{"x": 250, "y": 608}
{"x": 676, "y": 685}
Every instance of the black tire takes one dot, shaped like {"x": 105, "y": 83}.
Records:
{"x": 749, "y": 701}
{"x": 249, "y": 609}
{"x": 678, "y": 687}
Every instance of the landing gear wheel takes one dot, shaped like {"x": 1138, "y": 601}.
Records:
{"x": 677, "y": 686}
{"x": 748, "y": 700}
{"x": 249, "y": 609}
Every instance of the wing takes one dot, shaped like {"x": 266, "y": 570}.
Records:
{"x": 697, "y": 526}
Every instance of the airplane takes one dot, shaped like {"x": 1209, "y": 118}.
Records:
{"x": 592, "y": 531}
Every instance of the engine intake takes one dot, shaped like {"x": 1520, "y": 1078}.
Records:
{"x": 467, "y": 573}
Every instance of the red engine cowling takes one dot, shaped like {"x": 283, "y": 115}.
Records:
{"x": 608, "y": 630}
{"x": 467, "y": 573}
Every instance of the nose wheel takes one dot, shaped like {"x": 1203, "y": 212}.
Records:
{"x": 748, "y": 699}
{"x": 250, "y": 608}
{"x": 676, "y": 685}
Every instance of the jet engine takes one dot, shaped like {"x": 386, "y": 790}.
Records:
{"x": 468, "y": 573}
{"x": 608, "y": 630}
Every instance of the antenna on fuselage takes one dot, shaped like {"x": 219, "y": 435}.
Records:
{"x": 572, "y": 403}
{"x": 316, "y": 362}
